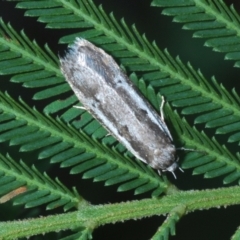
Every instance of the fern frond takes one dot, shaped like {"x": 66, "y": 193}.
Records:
{"x": 183, "y": 86}
{"x": 236, "y": 235}
{"x": 90, "y": 127}
{"x": 194, "y": 95}
{"x": 83, "y": 234}
{"x": 213, "y": 160}
{"x": 212, "y": 20}
{"x": 30, "y": 64}
{"x": 89, "y": 151}
{"x": 168, "y": 226}
{"x": 39, "y": 189}
{"x": 63, "y": 144}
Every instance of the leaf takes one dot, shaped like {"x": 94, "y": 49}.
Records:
{"x": 182, "y": 86}
{"x": 37, "y": 189}
{"x": 63, "y": 144}
{"x": 212, "y": 20}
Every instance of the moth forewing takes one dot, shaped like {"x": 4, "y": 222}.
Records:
{"x": 107, "y": 93}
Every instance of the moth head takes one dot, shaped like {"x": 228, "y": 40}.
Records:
{"x": 167, "y": 161}
{"x": 172, "y": 168}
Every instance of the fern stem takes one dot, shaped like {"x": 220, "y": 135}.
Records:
{"x": 93, "y": 216}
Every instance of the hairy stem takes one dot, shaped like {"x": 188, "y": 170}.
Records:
{"x": 94, "y": 216}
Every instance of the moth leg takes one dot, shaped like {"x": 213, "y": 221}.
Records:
{"x": 174, "y": 174}
{"x": 180, "y": 169}
{"x": 189, "y": 149}
{"x": 161, "y": 109}
{"x": 80, "y": 107}
{"x": 159, "y": 173}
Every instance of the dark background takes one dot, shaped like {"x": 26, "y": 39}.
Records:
{"x": 212, "y": 224}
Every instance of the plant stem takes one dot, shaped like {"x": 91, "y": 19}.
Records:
{"x": 93, "y": 216}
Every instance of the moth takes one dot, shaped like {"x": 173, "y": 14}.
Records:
{"x": 107, "y": 93}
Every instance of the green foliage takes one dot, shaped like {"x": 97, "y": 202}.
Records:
{"x": 40, "y": 188}
{"x": 209, "y": 19}
{"x": 168, "y": 226}
{"x": 63, "y": 144}
{"x": 72, "y": 139}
